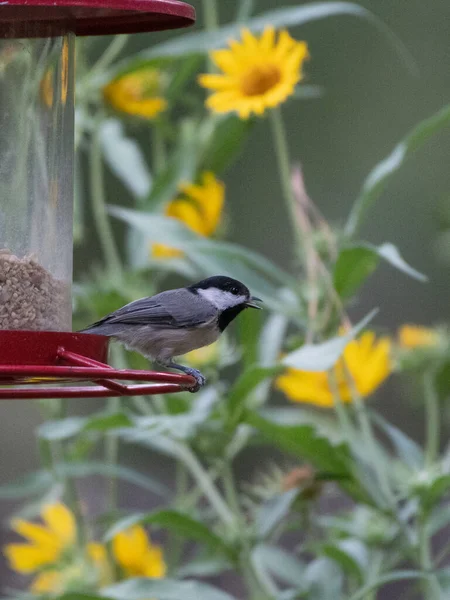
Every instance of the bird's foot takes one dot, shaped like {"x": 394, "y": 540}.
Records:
{"x": 200, "y": 379}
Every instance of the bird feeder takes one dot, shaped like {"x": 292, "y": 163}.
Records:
{"x": 38, "y": 352}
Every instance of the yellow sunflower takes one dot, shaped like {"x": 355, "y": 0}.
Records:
{"x": 257, "y": 73}
{"x": 366, "y": 359}
{"x": 46, "y": 543}
{"x": 199, "y": 207}
{"x": 137, "y": 93}
{"x": 136, "y": 555}
{"x": 416, "y": 336}
{"x": 51, "y": 553}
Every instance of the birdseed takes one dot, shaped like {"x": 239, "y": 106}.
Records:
{"x": 30, "y": 297}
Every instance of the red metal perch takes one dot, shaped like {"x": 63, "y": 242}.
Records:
{"x": 42, "y": 361}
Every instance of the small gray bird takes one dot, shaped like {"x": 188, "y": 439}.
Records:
{"x": 177, "y": 321}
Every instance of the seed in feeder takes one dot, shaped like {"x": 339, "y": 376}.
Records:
{"x": 30, "y": 297}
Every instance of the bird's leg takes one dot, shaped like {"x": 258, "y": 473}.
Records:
{"x": 195, "y": 373}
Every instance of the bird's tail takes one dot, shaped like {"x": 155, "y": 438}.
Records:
{"x": 100, "y": 329}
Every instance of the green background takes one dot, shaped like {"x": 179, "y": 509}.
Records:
{"x": 370, "y": 101}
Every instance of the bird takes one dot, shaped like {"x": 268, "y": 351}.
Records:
{"x": 176, "y": 321}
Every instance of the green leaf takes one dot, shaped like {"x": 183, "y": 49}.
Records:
{"x": 30, "y": 484}
{"x": 40, "y": 481}
{"x": 226, "y": 142}
{"x": 204, "y": 41}
{"x": 356, "y": 263}
{"x": 79, "y": 596}
{"x": 350, "y": 554}
{"x": 432, "y": 495}
{"x": 321, "y": 357}
{"x": 182, "y": 426}
{"x": 182, "y": 166}
{"x": 439, "y": 519}
{"x": 64, "y": 429}
{"x": 125, "y": 159}
{"x": 443, "y": 379}
{"x": 159, "y": 443}
{"x": 323, "y": 421}
{"x": 272, "y": 512}
{"x": 272, "y": 338}
{"x": 353, "y": 266}
{"x": 391, "y": 254}
{"x": 204, "y": 567}
{"x": 305, "y": 443}
{"x": 107, "y": 421}
{"x": 406, "y": 448}
{"x": 264, "y": 278}
{"x": 61, "y": 429}
{"x": 362, "y": 593}
{"x": 244, "y": 386}
{"x": 249, "y": 326}
{"x": 283, "y": 565}
{"x": 380, "y": 175}
{"x": 163, "y": 589}
{"x": 177, "y": 522}
{"x": 323, "y": 579}
{"x": 182, "y": 75}
{"x": 87, "y": 469}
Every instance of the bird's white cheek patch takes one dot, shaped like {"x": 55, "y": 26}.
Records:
{"x": 222, "y": 300}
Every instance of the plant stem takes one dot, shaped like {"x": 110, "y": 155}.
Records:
{"x": 175, "y": 543}
{"x": 112, "y": 441}
{"x": 211, "y": 15}
{"x": 432, "y": 420}
{"x": 374, "y": 572}
{"x": 204, "y": 482}
{"x": 341, "y": 412}
{"x": 109, "y": 55}
{"x": 244, "y": 11}
{"x": 284, "y": 168}
{"x": 102, "y": 223}
{"x": 260, "y": 588}
{"x": 369, "y": 437}
{"x": 432, "y": 588}
{"x": 52, "y": 454}
{"x": 111, "y": 457}
{"x": 158, "y": 145}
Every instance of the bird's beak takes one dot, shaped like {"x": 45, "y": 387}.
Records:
{"x": 251, "y": 302}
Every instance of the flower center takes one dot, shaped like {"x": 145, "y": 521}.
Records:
{"x": 259, "y": 80}
{"x": 140, "y": 86}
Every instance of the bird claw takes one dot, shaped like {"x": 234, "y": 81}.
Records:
{"x": 200, "y": 380}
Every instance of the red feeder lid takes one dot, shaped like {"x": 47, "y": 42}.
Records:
{"x": 34, "y": 18}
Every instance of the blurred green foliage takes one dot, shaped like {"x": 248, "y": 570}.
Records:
{"x": 396, "y": 489}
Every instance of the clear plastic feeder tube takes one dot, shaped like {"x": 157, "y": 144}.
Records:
{"x": 36, "y": 180}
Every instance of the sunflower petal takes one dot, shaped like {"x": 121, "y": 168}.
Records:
{"x": 154, "y": 563}
{"x": 25, "y": 558}
{"x": 47, "y": 582}
{"x": 216, "y": 82}
{"x": 267, "y": 39}
{"x": 39, "y": 535}
{"x": 61, "y": 522}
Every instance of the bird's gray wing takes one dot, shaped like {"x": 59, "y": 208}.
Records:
{"x": 177, "y": 308}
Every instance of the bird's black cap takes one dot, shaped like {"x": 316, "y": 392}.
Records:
{"x": 221, "y": 282}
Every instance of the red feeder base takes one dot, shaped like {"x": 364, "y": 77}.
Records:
{"x": 41, "y": 358}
